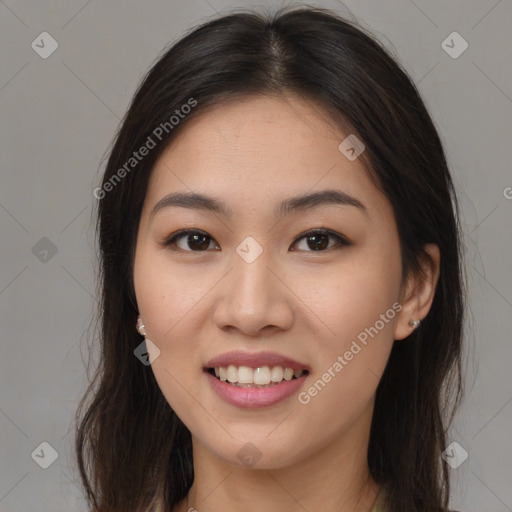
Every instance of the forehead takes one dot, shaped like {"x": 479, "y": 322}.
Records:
{"x": 260, "y": 150}
{"x": 258, "y": 129}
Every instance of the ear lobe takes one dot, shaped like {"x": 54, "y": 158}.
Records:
{"x": 419, "y": 293}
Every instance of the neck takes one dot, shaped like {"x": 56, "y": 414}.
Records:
{"x": 334, "y": 478}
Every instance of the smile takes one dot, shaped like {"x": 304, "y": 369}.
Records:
{"x": 253, "y": 395}
{"x": 261, "y": 377}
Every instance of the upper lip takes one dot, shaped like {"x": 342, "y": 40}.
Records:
{"x": 255, "y": 360}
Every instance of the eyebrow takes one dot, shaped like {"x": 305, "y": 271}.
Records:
{"x": 195, "y": 200}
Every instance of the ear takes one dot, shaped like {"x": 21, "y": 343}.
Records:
{"x": 417, "y": 293}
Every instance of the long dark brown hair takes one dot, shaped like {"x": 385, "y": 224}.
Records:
{"x": 133, "y": 451}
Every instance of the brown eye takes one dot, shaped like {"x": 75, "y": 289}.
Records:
{"x": 317, "y": 240}
{"x": 194, "y": 241}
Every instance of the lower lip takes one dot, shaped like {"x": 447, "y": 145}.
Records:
{"x": 255, "y": 397}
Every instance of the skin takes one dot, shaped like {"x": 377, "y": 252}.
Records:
{"x": 306, "y": 304}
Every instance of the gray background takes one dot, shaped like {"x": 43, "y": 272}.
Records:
{"x": 58, "y": 117}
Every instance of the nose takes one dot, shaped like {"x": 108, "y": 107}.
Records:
{"x": 254, "y": 297}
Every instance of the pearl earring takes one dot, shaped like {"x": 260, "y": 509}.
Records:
{"x": 140, "y": 326}
{"x": 415, "y": 323}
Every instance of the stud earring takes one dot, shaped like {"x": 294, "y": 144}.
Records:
{"x": 140, "y": 326}
{"x": 415, "y": 323}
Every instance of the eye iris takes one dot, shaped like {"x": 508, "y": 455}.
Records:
{"x": 194, "y": 238}
{"x": 322, "y": 244}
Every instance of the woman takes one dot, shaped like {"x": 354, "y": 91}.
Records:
{"x": 282, "y": 288}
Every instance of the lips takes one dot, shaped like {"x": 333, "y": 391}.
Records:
{"x": 255, "y": 360}
{"x": 225, "y": 371}
{"x": 255, "y": 397}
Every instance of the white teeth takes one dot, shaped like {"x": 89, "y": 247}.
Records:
{"x": 277, "y": 374}
{"x": 245, "y": 376}
{"x": 262, "y": 375}
{"x": 288, "y": 374}
{"x": 232, "y": 373}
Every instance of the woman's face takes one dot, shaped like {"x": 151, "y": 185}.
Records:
{"x": 248, "y": 280}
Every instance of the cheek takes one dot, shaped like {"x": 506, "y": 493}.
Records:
{"x": 350, "y": 297}
{"x": 352, "y": 352}
{"x": 168, "y": 298}
{"x": 172, "y": 304}
{"x": 355, "y": 311}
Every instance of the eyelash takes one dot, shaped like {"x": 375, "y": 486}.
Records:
{"x": 170, "y": 242}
